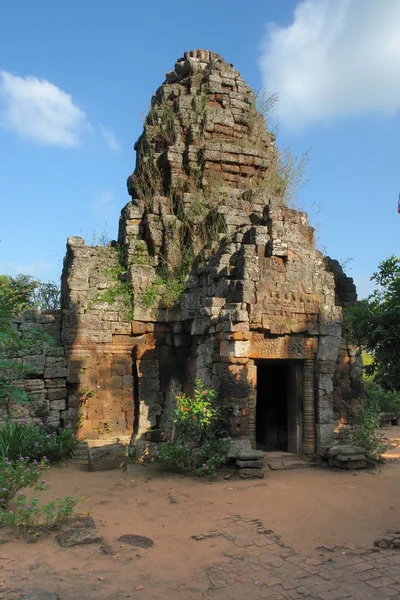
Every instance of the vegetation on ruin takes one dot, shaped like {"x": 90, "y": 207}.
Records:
{"x": 374, "y": 325}
{"x": 199, "y": 444}
{"x": 120, "y": 289}
{"x": 161, "y": 120}
{"x": 168, "y": 285}
{"x": 16, "y": 295}
{"x": 100, "y": 236}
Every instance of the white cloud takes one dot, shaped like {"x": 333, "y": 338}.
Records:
{"x": 103, "y": 201}
{"x": 110, "y": 138}
{"x": 338, "y": 57}
{"x": 37, "y": 110}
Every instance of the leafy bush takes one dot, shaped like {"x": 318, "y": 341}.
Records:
{"x": 21, "y": 511}
{"x": 368, "y": 415}
{"x": 387, "y": 401}
{"x": 17, "y": 475}
{"x": 36, "y": 442}
{"x": 196, "y": 446}
{"x": 374, "y": 325}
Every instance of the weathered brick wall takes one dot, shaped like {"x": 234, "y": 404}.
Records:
{"x": 97, "y": 336}
{"x": 348, "y": 376}
{"x": 46, "y": 372}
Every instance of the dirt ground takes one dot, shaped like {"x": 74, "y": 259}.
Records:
{"x": 297, "y": 511}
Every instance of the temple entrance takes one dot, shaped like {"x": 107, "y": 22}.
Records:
{"x": 278, "y": 423}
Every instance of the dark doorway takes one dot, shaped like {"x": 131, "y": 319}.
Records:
{"x": 278, "y": 407}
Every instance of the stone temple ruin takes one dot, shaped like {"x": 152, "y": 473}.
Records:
{"x": 212, "y": 278}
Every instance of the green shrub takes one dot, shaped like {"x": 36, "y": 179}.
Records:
{"x": 19, "y": 510}
{"x": 36, "y": 441}
{"x": 368, "y": 417}
{"x": 387, "y": 401}
{"x": 197, "y": 446}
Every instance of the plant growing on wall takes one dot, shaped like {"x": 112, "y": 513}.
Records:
{"x": 15, "y": 297}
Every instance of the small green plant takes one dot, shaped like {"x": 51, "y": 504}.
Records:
{"x": 368, "y": 417}
{"x": 120, "y": 292}
{"x": 106, "y": 428}
{"x": 148, "y": 181}
{"x": 148, "y": 297}
{"x": 22, "y": 511}
{"x": 161, "y": 119}
{"x": 196, "y": 446}
{"x": 36, "y": 441}
{"x": 168, "y": 285}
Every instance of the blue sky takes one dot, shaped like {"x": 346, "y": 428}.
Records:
{"x": 76, "y": 77}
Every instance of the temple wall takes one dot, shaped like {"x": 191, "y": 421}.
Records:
{"x": 46, "y": 372}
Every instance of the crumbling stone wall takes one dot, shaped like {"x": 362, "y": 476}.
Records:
{"x": 46, "y": 376}
{"x": 348, "y": 376}
{"x": 219, "y": 272}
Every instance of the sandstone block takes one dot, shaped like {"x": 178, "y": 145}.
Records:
{"x": 110, "y": 455}
{"x": 251, "y": 474}
{"x": 250, "y": 464}
{"x": 345, "y": 450}
{"x": 351, "y": 464}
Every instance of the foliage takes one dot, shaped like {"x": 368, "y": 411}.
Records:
{"x": 47, "y": 295}
{"x": 168, "y": 285}
{"x": 27, "y": 512}
{"x": 15, "y": 476}
{"x": 16, "y": 295}
{"x": 293, "y": 171}
{"x": 162, "y": 120}
{"x": 120, "y": 290}
{"x": 386, "y": 400}
{"x": 374, "y": 325}
{"x": 196, "y": 446}
{"x": 27, "y": 292}
{"x": 368, "y": 414}
{"x": 149, "y": 180}
{"x": 36, "y": 442}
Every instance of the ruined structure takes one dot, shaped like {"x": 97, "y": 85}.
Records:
{"x": 212, "y": 278}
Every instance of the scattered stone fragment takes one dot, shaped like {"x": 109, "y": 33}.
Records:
{"x": 251, "y": 473}
{"x": 136, "y": 540}
{"x": 390, "y": 540}
{"x": 108, "y": 550}
{"x": 82, "y": 532}
{"x": 173, "y": 500}
{"x": 107, "y": 456}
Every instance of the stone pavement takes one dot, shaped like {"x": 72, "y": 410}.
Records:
{"x": 243, "y": 561}
{"x": 259, "y": 565}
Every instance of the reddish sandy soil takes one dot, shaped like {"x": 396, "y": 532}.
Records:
{"x": 308, "y": 508}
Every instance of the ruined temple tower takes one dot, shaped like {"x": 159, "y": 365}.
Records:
{"x": 212, "y": 278}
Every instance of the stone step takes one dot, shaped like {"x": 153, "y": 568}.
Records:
{"x": 250, "y": 464}
{"x": 282, "y": 461}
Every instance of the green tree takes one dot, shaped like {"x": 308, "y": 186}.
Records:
{"x": 47, "y": 295}
{"x": 374, "y": 325}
